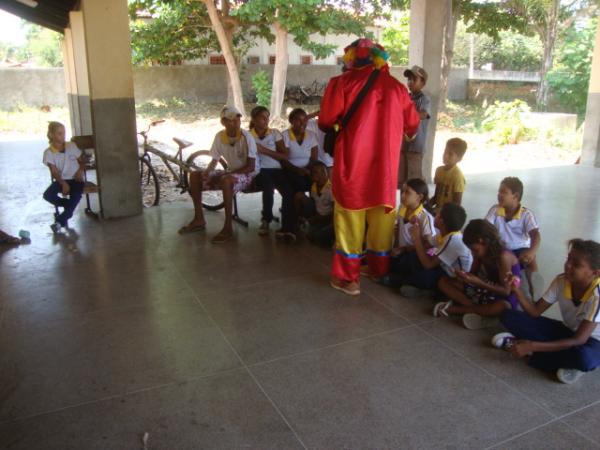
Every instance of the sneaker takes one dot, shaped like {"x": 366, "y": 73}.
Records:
{"x": 503, "y": 341}
{"x": 441, "y": 309}
{"x": 263, "y": 230}
{"x": 347, "y": 287}
{"x": 477, "y": 322}
{"x": 568, "y": 376}
{"x": 55, "y": 227}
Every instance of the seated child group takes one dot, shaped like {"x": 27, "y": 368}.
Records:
{"x": 486, "y": 271}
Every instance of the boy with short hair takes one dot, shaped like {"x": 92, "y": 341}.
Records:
{"x": 449, "y": 179}
{"x": 448, "y": 255}
{"x": 517, "y": 227}
{"x": 317, "y": 209}
{"x": 238, "y": 148}
{"x": 411, "y": 157}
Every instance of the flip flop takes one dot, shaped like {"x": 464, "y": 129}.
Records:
{"x": 10, "y": 240}
{"x": 186, "y": 229}
{"x": 221, "y": 238}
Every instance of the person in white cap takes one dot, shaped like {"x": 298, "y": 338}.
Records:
{"x": 238, "y": 148}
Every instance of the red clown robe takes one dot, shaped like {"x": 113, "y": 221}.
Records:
{"x": 367, "y": 150}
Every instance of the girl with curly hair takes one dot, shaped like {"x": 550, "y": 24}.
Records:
{"x": 484, "y": 292}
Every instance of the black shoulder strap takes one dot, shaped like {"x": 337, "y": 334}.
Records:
{"x": 359, "y": 98}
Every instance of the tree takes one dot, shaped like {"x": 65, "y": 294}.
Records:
{"x": 570, "y": 77}
{"x": 395, "y": 38}
{"x": 188, "y": 29}
{"x": 300, "y": 19}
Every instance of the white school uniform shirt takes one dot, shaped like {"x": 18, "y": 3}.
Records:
{"x": 66, "y": 162}
{"x": 514, "y": 232}
{"x": 269, "y": 142}
{"x": 575, "y": 311}
{"x": 324, "y": 157}
{"x": 324, "y": 200}
{"x": 424, "y": 219}
{"x": 299, "y": 154}
{"x": 453, "y": 253}
{"x": 236, "y": 152}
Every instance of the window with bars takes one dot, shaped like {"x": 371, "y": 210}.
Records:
{"x": 305, "y": 59}
{"x": 271, "y": 59}
{"x": 216, "y": 59}
{"x": 253, "y": 60}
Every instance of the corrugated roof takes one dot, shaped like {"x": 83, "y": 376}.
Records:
{"x": 53, "y": 14}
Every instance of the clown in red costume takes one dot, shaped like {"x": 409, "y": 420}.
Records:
{"x": 366, "y": 158}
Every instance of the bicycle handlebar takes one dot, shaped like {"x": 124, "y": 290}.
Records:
{"x": 144, "y": 133}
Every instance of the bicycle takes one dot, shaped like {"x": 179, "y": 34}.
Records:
{"x": 199, "y": 160}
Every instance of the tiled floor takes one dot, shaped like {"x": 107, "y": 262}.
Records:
{"x": 124, "y": 327}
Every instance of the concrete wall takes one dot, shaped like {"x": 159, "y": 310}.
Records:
{"x": 32, "y": 87}
{"x": 36, "y": 87}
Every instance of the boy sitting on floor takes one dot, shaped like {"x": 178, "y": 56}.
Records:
{"x": 238, "y": 148}
{"x": 317, "y": 209}
{"x": 449, "y": 255}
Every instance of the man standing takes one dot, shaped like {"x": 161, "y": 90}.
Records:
{"x": 367, "y": 154}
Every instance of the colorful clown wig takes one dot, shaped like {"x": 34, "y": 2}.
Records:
{"x": 363, "y": 52}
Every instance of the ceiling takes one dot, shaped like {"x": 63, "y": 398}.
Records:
{"x": 53, "y": 14}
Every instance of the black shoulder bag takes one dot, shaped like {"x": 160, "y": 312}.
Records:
{"x": 331, "y": 134}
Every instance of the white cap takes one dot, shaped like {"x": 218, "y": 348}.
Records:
{"x": 230, "y": 112}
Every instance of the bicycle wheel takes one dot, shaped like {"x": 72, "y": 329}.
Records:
{"x": 149, "y": 183}
{"x": 211, "y": 200}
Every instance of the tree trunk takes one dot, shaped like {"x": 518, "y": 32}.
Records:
{"x": 549, "y": 40}
{"x": 279, "y": 70}
{"x": 448, "y": 53}
{"x": 225, "y": 41}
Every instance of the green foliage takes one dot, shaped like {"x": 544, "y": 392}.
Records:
{"x": 42, "y": 47}
{"x": 570, "y": 76}
{"x": 395, "y": 39}
{"x": 512, "y": 51}
{"x": 507, "y": 122}
{"x": 262, "y": 87}
{"x": 305, "y": 18}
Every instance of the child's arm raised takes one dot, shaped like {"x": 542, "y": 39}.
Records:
{"x": 501, "y": 289}
{"x": 427, "y": 261}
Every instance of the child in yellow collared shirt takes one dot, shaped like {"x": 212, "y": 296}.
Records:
{"x": 449, "y": 179}
{"x": 318, "y": 209}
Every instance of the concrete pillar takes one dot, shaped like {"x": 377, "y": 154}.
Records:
{"x": 590, "y": 150}
{"x": 427, "y": 25}
{"x": 76, "y": 75}
{"x": 106, "y": 44}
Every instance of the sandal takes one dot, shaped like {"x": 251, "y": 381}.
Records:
{"x": 441, "y": 309}
{"x": 10, "y": 240}
{"x": 191, "y": 228}
{"x": 221, "y": 238}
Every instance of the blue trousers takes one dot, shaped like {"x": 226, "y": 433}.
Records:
{"x": 267, "y": 181}
{"x": 407, "y": 269}
{"x": 585, "y": 357}
{"x": 69, "y": 204}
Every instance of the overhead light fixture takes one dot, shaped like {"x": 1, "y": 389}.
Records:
{"x": 30, "y": 3}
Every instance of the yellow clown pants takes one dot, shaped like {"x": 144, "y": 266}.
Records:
{"x": 350, "y": 238}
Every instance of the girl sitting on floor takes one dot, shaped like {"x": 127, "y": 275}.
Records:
{"x": 404, "y": 264}
{"x": 484, "y": 291}
{"x": 569, "y": 347}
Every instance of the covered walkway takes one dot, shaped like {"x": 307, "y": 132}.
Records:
{"x": 124, "y": 327}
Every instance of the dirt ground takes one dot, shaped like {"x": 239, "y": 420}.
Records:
{"x": 199, "y": 123}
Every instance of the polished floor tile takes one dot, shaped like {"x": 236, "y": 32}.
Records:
{"x": 554, "y": 436}
{"x": 226, "y": 412}
{"x": 62, "y": 363}
{"x": 397, "y": 390}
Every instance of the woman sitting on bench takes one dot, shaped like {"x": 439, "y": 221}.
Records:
{"x": 303, "y": 149}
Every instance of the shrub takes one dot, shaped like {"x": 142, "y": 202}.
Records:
{"x": 506, "y": 121}
{"x": 262, "y": 86}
